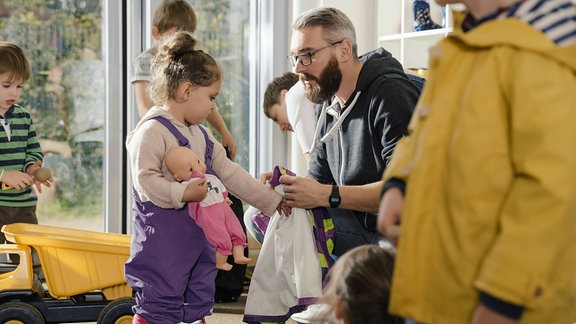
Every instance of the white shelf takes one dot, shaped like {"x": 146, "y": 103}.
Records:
{"x": 427, "y": 33}
{"x": 396, "y": 31}
{"x": 419, "y": 34}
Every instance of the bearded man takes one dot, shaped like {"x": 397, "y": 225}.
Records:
{"x": 367, "y": 105}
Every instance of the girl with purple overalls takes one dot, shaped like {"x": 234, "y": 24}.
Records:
{"x": 172, "y": 266}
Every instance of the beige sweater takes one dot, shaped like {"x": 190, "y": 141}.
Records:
{"x": 147, "y": 145}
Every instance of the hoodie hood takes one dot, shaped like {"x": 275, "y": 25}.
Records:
{"x": 514, "y": 32}
{"x": 353, "y": 142}
{"x": 375, "y": 64}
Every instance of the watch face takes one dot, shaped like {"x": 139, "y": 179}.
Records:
{"x": 334, "y": 198}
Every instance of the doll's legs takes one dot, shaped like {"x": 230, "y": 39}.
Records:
{"x": 238, "y": 239}
{"x": 221, "y": 262}
{"x": 238, "y": 254}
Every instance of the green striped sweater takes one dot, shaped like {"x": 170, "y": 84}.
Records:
{"x": 22, "y": 150}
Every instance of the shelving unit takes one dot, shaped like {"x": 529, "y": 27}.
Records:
{"x": 396, "y": 31}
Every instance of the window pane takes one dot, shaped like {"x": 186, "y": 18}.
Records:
{"x": 223, "y": 29}
{"x": 66, "y": 97}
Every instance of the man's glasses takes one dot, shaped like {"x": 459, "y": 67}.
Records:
{"x": 306, "y": 58}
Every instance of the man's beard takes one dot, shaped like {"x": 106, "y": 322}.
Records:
{"x": 326, "y": 85}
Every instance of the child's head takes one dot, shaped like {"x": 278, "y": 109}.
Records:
{"x": 177, "y": 63}
{"x": 14, "y": 71}
{"x": 181, "y": 161}
{"x": 171, "y": 16}
{"x": 14, "y": 63}
{"x": 359, "y": 286}
{"x": 274, "y": 103}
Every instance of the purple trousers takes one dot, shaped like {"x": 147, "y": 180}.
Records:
{"x": 172, "y": 266}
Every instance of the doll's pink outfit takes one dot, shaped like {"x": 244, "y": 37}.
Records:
{"x": 215, "y": 217}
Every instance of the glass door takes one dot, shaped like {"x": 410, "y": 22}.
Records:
{"x": 66, "y": 97}
{"x": 223, "y": 29}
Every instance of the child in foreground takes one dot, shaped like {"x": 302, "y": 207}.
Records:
{"x": 358, "y": 288}
{"x": 484, "y": 185}
{"x": 20, "y": 151}
{"x": 172, "y": 266}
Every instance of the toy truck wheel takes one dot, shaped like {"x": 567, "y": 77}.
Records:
{"x": 118, "y": 311}
{"x": 20, "y": 313}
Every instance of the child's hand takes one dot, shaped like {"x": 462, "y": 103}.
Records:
{"x": 16, "y": 179}
{"x": 45, "y": 180}
{"x": 47, "y": 183}
{"x": 265, "y": 177}
{"x": 42, "y": 176}
{"x": 196, "y": 190}
{"x": 283, "y": 208}
{"x": 33, "y": 167}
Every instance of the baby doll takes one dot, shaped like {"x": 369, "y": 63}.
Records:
{"x": 213, "y": 214}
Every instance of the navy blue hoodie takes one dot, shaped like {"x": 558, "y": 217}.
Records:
{"x": 356, "y": 153}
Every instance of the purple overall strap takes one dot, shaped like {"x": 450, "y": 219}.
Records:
{"x": 209, "y": 151}
{"x": 182, "y": 141}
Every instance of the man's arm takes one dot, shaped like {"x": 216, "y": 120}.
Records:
{"x": 304, "y": 192}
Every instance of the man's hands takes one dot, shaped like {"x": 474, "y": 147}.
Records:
{"x": 390, "y": 213}
{"x": 283, "y": 209}
{"x": 300, "y": 192}
{"x": 304, "y": 192}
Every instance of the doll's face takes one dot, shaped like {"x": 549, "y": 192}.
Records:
{"x": 198, "y": 165}
{"x": 181, "y": 161}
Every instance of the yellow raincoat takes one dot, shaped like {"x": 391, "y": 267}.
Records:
{"x": 490, "y": 168}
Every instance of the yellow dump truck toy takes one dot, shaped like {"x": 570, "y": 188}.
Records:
{"x": 84, "y": 276}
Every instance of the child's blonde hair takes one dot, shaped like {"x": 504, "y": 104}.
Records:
{"x": 176, "y": 62}
{"x": 174, "y": 14}
{"x": 13, "y": 60}
{"x": 360, "y": 281}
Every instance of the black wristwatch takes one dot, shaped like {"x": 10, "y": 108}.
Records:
{"x": 334, "y": 198}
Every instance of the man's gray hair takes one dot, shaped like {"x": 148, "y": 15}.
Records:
{"x": 336, "y": 25}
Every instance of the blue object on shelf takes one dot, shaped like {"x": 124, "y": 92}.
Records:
{"x": 422, "y": 18}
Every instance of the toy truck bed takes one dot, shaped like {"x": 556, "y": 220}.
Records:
{"x": 84, "y": 273}
{"x": 76, "y": 261}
